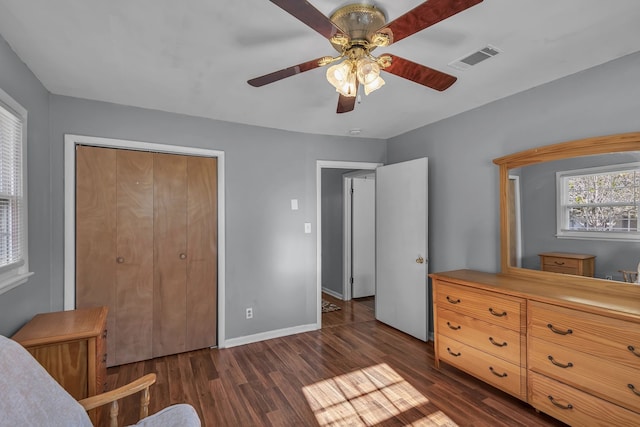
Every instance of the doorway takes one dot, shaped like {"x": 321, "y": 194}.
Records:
{"x": 359, "y": 243}
{"x": 343, "y": 167}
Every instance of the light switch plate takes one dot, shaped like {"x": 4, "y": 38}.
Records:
{"x": 294, "y": 204}
{"x": 307, "y": 228}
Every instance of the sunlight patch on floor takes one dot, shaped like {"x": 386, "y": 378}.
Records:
{"x": 367, "y": 397}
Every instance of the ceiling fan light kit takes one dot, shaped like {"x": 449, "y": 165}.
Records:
{"x": 359, "y": 68}
{"x": 355, "y": 30}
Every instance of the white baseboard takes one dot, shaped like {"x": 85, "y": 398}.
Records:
{"x": 248, "y": 339}
{"x": 332, "y": 293}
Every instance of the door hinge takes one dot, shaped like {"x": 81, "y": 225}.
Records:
{"x": 351, "y": 280}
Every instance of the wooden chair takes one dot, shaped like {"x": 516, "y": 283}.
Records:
{"x": 629, "y": 276}
{"x": 31, "y": 397}
{"x": 111, "y": 397}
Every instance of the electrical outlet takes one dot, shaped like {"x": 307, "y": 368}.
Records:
{"x": 249, "y": 313}
{"x": 609, "y": 277}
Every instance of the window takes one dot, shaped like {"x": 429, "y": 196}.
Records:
{"x": 13, "y": 202}
{"x": 599, "y": 203}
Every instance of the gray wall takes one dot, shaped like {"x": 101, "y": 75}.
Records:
{"x": 271, "y": 263}
{"x": 332, "y": 229}
{"x": 19, "y": 304}
{"x": 463, "y": 181}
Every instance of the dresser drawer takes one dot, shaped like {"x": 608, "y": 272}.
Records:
{"x": 502, "y": 310}
{"x": 493, "y": 370}
{"x": 553, "y": 262}
{"x": 574, "y": 406}
{"x": 499, "y": 341}
{"x": 601, "y": 377}
{"x": 613, "y": 339}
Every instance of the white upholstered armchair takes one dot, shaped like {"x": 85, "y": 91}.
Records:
{"x": 29, "y": 396}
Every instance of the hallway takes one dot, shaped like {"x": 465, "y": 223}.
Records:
{"x": 356, "y": 310}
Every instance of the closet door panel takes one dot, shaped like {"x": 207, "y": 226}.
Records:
{"x": 134, "y": 261}
{"x": 170, "y": 249}
{"x": 202, "y": 267}
{"x": 96, "y": 233}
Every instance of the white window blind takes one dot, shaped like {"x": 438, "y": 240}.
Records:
{"x": 11, "y": 196}
{"x": 14, "y": 265}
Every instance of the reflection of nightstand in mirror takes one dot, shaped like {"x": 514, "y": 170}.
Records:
{"x": 567, "y": 263}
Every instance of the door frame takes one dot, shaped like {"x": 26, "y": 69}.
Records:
{"x": 328, "y": 164}
{"x": 347, "y": 237}
{"x": 517, "y": 239}
{"x": 70, "y": 143}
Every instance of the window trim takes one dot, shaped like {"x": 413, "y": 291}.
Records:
{"x": 18, "y": 274}
{"x": 589, "y": 235}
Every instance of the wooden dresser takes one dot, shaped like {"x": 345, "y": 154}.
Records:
{"x": 579, "y": 355}
{"x": 71, "y": 345}
{"x": 568, "y": 263}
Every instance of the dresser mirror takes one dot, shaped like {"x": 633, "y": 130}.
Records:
{"x": 531, "y": 240}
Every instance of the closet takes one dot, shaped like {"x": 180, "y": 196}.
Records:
{"x": 146, "y": 247}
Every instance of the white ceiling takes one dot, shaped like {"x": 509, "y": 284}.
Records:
{"x": 195, "y": 56}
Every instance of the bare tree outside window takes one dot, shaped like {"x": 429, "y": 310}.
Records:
{"x": 603, "y": 202}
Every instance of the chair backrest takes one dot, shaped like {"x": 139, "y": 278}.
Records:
{"x": 30, "y": 396}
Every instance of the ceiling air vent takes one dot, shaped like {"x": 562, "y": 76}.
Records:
{"x": 475, "y": 58}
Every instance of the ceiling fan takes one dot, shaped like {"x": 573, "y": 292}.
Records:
{"x": 355, "y": 30}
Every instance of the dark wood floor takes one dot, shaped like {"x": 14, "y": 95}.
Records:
{"x": 355, "y": 371}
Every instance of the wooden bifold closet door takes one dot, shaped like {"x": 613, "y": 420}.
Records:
{"x": 146, "y": 247}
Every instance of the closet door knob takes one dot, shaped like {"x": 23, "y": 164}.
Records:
{"x": 183, "y": 256}
{"x": 120, "y": 260}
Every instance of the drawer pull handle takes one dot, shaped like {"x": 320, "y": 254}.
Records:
{"x": 492, "y": 341}
{"x": 453, "y": 301}
{"x": 455, "y": 328}
{"x": 559, "y": 405}
{"x": 495, "y": 313}
{"x": 632, "y": 349}
{"x": 558, "y": 331}
{"x": 561, "y": 365}
{"x": 558, "y": 262}
{"x": 452, "y": 353}
{"x": 633, "y": 389}
{"x": 496, "y": 373}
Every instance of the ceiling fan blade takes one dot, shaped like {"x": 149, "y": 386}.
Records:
{"x": 284, "y": 73}
{"x": 423, "y": 16}
{"x": 309, "y": 15}
{"x": 419, "y": 73}
{"x": 346, "y": 103}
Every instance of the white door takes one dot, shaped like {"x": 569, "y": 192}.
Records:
{"x": 401, "y": 247}
{"x": 363, "y": 243}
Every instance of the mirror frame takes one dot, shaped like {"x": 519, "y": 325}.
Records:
{"x": 564, "y": 150}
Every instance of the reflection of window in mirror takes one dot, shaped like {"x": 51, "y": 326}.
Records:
{"x": 515, "y": 230}
{"x": 599, "y": 202}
